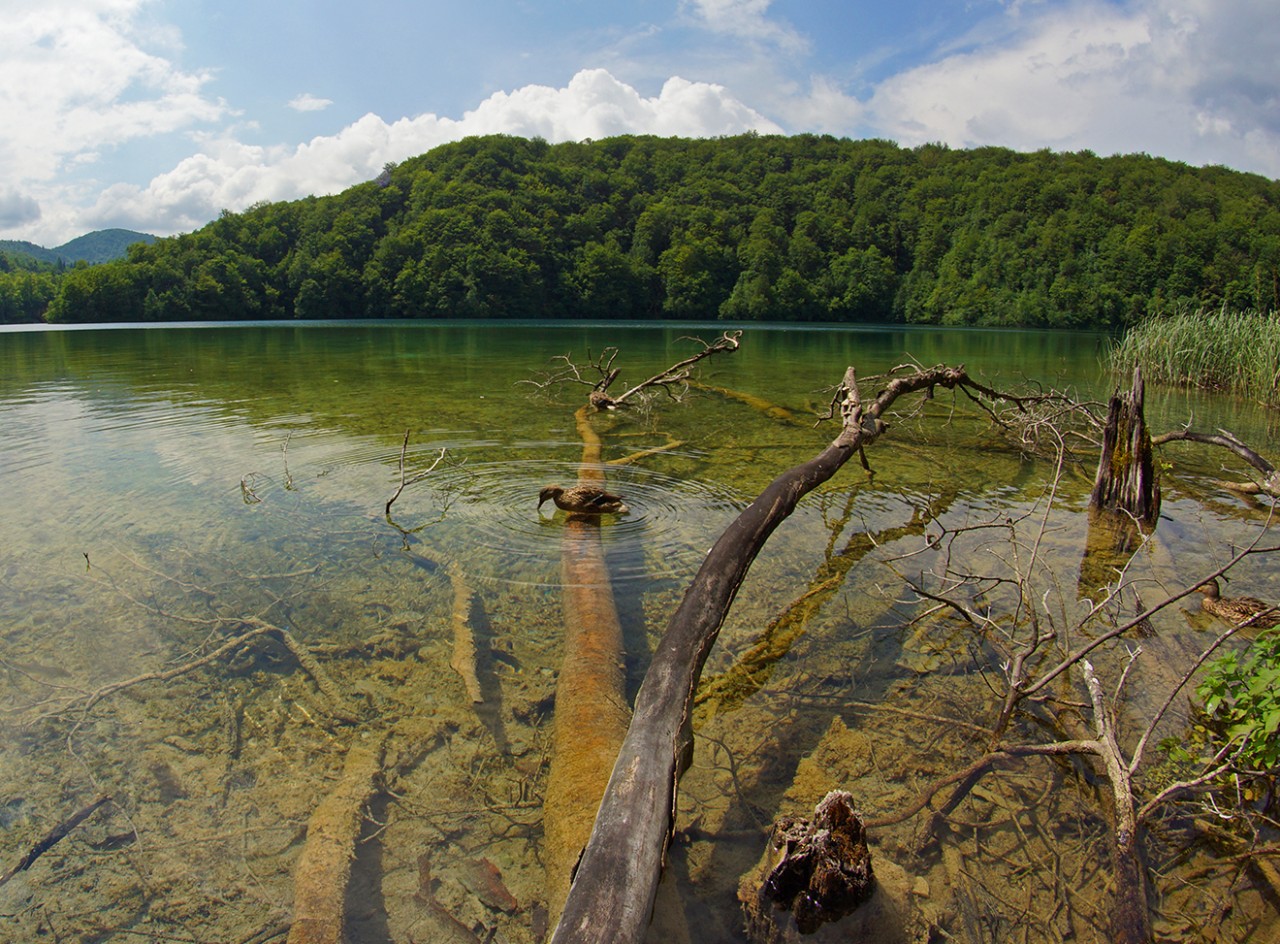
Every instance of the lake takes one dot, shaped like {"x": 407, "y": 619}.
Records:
{"x": 168, "y": 488}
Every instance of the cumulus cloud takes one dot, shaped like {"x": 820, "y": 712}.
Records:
{"x": 74, "y": 76}
{"x": 309, "y": 102}
{"x": 227, "y": 174}
{"x": 1190, "y": 79}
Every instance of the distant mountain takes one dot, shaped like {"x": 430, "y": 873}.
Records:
{"x": 100, "y": 246}
{"x": 19, "y": 247}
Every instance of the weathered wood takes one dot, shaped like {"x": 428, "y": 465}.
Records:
{"x": 613, "y": 891}
{"x": 1126, "y": 480}
{"x": 1131, "y": 915}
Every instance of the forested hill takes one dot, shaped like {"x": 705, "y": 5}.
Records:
{"x": 99, "y": 246}
{"x": 753, "y": 227}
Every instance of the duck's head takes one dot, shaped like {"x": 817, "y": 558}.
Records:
{"x": 1209, "y": 588}
{"x": 549, "y": 491}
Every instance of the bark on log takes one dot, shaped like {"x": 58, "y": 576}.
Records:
{"x": 1126, "y": 492}
{"x": 613, "y": 891}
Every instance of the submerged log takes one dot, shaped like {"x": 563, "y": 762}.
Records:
{"x": 753, "y": 668}
{"x": 591, "y": 712}
{"x": 463, "y": 660}
{"x": 613, "y": 891}
{"x": 324, "y": 869}
{"x": 55, "y": 836}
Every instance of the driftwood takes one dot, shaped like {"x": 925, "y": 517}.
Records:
{"x": 406, "y": 482}
{"x": 324, "y": 869}
{"x": 674, "y": 380}
{"x": 616, "y": 881}
{"x": 1131, "y": 916}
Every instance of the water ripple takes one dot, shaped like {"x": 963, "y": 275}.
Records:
{"x": 507, "y": 538}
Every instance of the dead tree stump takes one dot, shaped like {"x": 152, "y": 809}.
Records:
{"x": 1125, "y": 501}
{"x": 821, "y": 869}
{"x": 1126, "y": 481}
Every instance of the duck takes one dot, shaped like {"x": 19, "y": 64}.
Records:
{"x": 584, "y": 500}
{"x": 1237, "y": 610}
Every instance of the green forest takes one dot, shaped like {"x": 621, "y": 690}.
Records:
{"x": 796, "y": 228}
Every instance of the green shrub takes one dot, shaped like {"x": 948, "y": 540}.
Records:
{"x": 1241, "y": 695}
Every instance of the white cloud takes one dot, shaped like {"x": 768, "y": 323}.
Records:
{"x": 75, "y": 79}
{"x": 1188, "y": 79}
{"x": 230, "y": 175}
{"x": 308, "y": 102}
{"x": 745, "y": 19}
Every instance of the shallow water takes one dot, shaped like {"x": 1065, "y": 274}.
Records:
{"x": 164, "y": 487}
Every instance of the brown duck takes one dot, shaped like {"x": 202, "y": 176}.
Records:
{"x": 1237, "y": 610}
{"x": 584, "y": 500}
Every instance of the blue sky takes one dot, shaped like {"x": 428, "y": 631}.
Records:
{"x": 156, "y": 115}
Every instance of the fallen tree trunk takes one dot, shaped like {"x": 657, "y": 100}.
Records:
{"x": 613, "y": 891}
{"x": 591, "y": 707}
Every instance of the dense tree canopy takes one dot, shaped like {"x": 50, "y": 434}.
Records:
{"x": 801, "y": 228}
{"x": 27, "y": 285}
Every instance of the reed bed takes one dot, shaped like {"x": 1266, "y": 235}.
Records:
{"x": 1232, "y": 350}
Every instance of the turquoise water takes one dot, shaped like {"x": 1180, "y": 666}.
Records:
{"x": 166, "y": 487}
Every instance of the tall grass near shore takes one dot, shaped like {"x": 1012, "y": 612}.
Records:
{"x": 1235, "y": 351}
